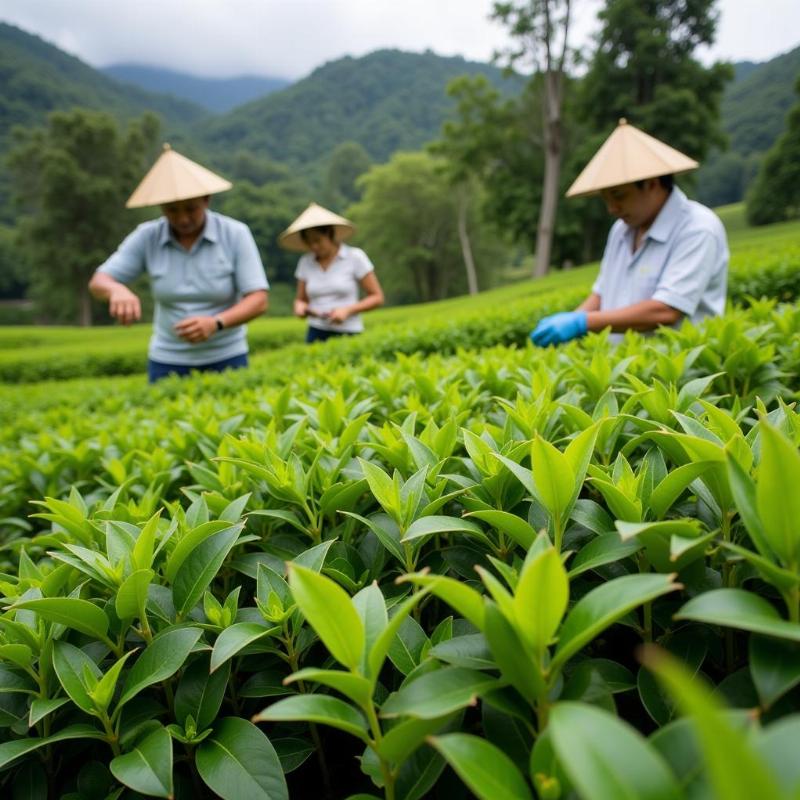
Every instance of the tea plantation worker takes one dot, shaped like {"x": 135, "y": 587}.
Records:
{"x": 331, "y": 275}
{"x": 205, "y": 271}
{"x": 666, "y": 257}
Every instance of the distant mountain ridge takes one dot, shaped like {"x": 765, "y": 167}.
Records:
{"x": 36, "y": 78}
{"x": 218, "y": 95}
{"x": 388, "y": 100}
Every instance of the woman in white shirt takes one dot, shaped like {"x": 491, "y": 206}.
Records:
{"x": 331, "y": 275}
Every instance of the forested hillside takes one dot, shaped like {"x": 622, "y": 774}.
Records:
{"x": 753, "y": 110}
{"x": 218, "y": 95}
{"x": 37, "y": 77}
{"x": 385, "y": 101}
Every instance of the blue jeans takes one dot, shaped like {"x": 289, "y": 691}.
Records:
{"x": 319, "y": 335}
{"x": 156, "y": 370}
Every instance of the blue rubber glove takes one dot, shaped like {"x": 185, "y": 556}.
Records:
{"x": 558, "y": 328}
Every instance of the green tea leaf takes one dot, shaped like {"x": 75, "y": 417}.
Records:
{"x": 131, "y": 597}
{"x": 486, "y": 770}
{"x": 236, "y": 638}
{"x": 148, "y": 767}
{"x": 607, "y": 759}
{"x": 737, "y": 608}
{"x": 160, "y": 660}
{"x": 319, "y": 708}
{"x": 438, "y": 693}
{"x": 80, "y": 615}
{"x": 239, "y": 761}
{"x": 330, "y": 612}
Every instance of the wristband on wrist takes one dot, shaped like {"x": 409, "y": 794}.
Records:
{"x": 220, "y": 323}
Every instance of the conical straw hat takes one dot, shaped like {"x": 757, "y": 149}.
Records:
{"x": 629, "y": 155}
{"x": 174, "y": 177}
{"x": 313, "y": 217}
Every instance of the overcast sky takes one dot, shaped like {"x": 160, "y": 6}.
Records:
{"x": 289, "y": 38}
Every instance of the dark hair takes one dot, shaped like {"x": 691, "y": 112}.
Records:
{"x": 324, "y": 230}
{"x": 666, "y": 181}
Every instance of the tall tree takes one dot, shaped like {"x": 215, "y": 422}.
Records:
{"x": 347, "y": 163}
{"x": 775, "y": 195}
{"x": 644, "y": 68}
{"x": 71, "y": 179}
{"x": 541, "y": 30}
{"x": 407, "y": 222}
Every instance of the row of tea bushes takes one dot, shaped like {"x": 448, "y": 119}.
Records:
{"x": 568, "y": 573}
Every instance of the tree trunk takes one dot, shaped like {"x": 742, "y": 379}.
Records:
{"x": 84, "y": 306}
{"x": 463, "y": 236}
{"x": 552, "y": 168}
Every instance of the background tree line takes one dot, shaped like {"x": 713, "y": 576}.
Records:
{"x": 440, "y": 221}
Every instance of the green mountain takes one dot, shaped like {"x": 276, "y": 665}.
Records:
{"x": 754, "y": 109}
{"x": 386, "y": 101}
{"x": 217, "y": 95}
{"x": 37, "y": 77}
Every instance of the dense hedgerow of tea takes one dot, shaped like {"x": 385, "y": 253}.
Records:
{"x": 452, "y": 566}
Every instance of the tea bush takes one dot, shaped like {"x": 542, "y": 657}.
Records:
{"x": 421, "y": 563}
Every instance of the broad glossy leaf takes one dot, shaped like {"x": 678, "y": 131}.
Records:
{"x": 672, "y": 487}
{"x": 406, "y": 648}
{"x": 200, "y": 567}
{"x": 486, "y": 770}
{"x": 777, "y": 495}
{"x": 604, "y": 549}
{"x": 354, "y": 687}
{"x": 331, "y": 613}
{"x": 553, "y": 477}
{"x": 517, "y": 528}
{"x": 438, "y": 693}
{"x": 148, "y": 767}
{"x": 377, "y": 654}
{"x": 603, "y": 606}
{"x": 238, "y": 761}
{"x": 735, "y": 770}
{"x": 405, "y": 737}
{"x": 71, "y": 665}
{"x": 467, "y": 602}
{"x": 371, "y": 607}
{"x": 428, "y": 526}
{"x": 192, "y": 540}
{"x": 160, "y": 660}
{"x": 737, "y": 608}
{"x": 292, "y": 752}
{"x": 540, "y": 599}
{"x": 40, "y": 708}
{"x": 132, "y": 595}
{"x": 10, "y": 751}
{"x": 319, "y": 708}
{"x": 777, "y": 745}
{"x": 607, "y": 759}
{"x": 72, "y": 612}
{"x": 236, "y": 638}
{"x": 774, "y": 666}
{"x": 200, "y": 693}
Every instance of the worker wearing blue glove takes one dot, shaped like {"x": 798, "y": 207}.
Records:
{"x": 559, "y": 328}
{"x": 666, "y": 257}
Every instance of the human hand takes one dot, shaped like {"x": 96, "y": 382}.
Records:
{"x": 196, "y": 329}
{"x": 559, "y": 328}
{"x": 124, "y": 305}
{"x": 300, "y": 308}
{"x": 339, "y": 314}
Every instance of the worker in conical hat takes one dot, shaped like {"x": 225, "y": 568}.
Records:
{"x": 205, "y": 272}
{"x": 331, "y": 275}
{"x": 666, "y": 257}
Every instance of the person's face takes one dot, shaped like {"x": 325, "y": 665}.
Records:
{"x": 319, "y": 244}
{"x": 186, "y": 217}
{"x": 633, "y": 205}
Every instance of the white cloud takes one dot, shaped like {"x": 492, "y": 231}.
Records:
{"x": 292, "y": 37}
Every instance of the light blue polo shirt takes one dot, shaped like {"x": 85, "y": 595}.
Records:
{"x": 221, "y": 267}
{"x": 682, "y": 262}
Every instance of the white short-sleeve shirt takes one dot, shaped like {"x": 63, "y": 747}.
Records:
{"x": 682, "y": 262}
{"x": 221, "y": 266}
{"x": 334, "y": 286}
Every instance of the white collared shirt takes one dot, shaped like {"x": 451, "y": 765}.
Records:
{"x": 682, "y": 261}
{"x": 336, "y": 285}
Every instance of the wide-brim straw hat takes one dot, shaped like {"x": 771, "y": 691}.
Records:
{"x": 629, "y": 155}
{"x": 315, "y": 216}
{"x": 174, "y": 177}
